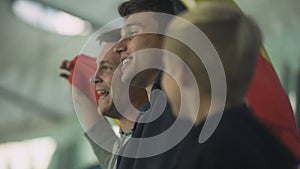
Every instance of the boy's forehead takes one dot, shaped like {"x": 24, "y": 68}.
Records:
{"x": 144, "y": 20}
{"x": 139, "y": 18}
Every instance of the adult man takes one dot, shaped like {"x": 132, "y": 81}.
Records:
{"x": 104, "y": 142}
{"x": 240, "y": 140}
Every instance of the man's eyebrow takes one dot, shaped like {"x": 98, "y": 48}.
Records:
{"x": 102, "y": 62}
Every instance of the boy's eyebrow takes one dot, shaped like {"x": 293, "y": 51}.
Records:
{"x": 132, "y": 24}
{"x": 127, "y": 26}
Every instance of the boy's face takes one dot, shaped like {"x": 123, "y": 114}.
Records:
{"x": 137, "y": 35}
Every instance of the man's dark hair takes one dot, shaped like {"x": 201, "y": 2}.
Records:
{"x": 136, "y": 6}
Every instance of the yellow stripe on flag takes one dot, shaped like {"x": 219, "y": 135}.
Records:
{"x": 117, "y": 122}
{"x": 264, "y": 54}
{"x": 190, "y": 4}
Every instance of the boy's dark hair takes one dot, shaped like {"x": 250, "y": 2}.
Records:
{"x": 136, "y": 6}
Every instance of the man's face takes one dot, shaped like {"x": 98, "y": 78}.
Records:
{"x": 107, "y": 62}
{"x": 136, "y": 37}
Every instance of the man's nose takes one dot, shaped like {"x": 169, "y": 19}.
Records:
{"x": 96, "y": 78}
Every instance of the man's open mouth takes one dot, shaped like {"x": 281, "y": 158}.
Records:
{"x": 101, "y": 94}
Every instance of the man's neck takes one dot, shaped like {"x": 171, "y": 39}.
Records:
{"x": 126, "y": 125}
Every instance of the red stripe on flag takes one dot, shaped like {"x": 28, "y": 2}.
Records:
{"x": 271, "y": 105}
{"x": 81, "y": 72}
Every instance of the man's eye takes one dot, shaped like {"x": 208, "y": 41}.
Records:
{"x": 106, "y": 68}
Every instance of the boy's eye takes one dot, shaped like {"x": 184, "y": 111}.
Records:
{"x": 130, "y": 34}
{"x": 132, "y": 31}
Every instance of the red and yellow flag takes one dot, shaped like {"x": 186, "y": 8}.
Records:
{"x": 268, "y": 99}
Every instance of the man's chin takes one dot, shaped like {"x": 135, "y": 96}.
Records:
{"x": 103, "y": 111}
{"x": 112, "y": 115}
{"x": 107, "y": 112}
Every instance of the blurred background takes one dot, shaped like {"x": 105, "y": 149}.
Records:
{"x": 38, "y": 125}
